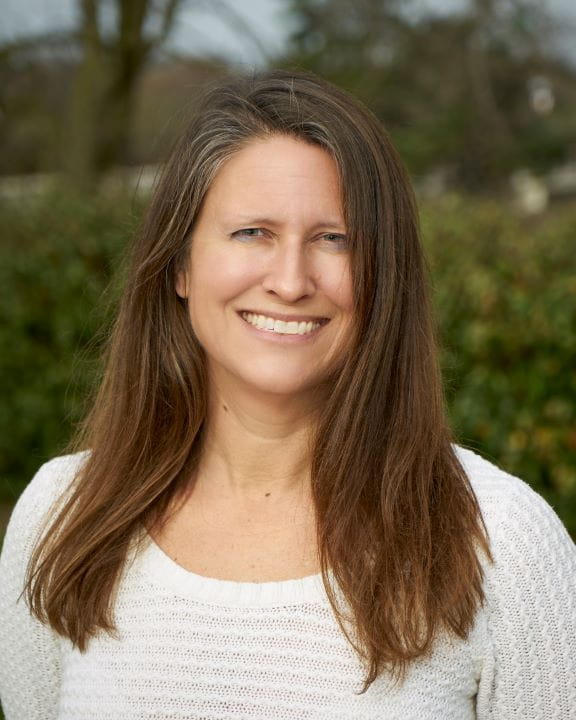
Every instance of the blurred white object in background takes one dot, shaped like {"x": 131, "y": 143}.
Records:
{"x": 530, "y": 194}
{"x": 541, "y": 95}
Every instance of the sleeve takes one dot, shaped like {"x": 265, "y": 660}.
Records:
{"x": 29, "y": 650}
{"x": 531, "y": 608}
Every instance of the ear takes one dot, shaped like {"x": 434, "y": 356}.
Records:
{"x": 181, "y": 284}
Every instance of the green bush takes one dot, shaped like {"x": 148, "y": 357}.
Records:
{"x": 56, "y": 262}
{"x": 504, "y": 293}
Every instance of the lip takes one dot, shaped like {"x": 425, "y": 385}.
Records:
{"x": 287, "y": 318}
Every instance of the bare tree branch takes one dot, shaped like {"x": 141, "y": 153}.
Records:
{"x": 169, "y": 15}
{"x": 235, "y": 20}
{"x": 90, "y": 25}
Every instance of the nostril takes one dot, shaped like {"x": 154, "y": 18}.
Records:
{"x": 290, "y": 286}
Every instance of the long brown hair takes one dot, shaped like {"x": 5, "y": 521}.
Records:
{"x": 399, "y": 528}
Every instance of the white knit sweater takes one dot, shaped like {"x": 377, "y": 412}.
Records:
{"x": 195, "y": 647}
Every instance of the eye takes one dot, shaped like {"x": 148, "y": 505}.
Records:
{"x": 336, "y": 240}
{"x": 248, "y": 234}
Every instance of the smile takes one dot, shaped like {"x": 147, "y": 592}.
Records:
{"x": 292, "y": 327}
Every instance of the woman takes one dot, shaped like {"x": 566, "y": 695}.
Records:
{"x": 272, "y": 521}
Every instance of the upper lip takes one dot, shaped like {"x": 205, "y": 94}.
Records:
{"x": 286, "y": 318}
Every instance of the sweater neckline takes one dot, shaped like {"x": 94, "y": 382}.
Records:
{"x": 153, "y": 562}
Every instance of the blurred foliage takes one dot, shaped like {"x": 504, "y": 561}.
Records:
{"x": 35, "y": 93}
{"x": 56, "y": 263}
{"x": 505, "y": 291}
{"x": 75, "y": 99}
{"x": 475, "y": 93}
{"x": 505, "y": 296}
{"x": 455, "y": 90}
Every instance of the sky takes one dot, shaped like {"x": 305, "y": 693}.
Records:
{"x": 203, "y": 30}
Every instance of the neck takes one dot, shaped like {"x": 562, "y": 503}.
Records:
{"x": 256, "y": 444}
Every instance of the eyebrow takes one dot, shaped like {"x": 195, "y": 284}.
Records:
{"x": 254, "y": 220}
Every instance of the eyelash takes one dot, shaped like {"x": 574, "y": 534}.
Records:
{"x": 247, "y": 232}
{"x": 339, "y": 240}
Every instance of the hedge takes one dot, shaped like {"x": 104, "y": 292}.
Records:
{"x": 504, "y": 292}
{"x": 505, "y": 297}
{"x": 57, "y": 261}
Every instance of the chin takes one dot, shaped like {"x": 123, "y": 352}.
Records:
{"x": 281, "y": 385}
{"x": 268, "y": 378}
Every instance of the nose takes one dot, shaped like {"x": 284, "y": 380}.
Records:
{"x": 288, "y": 275}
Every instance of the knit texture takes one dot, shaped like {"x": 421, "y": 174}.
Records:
{"x": 195, "y": 647}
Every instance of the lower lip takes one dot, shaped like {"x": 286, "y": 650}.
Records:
{"x": 272, "y": 336}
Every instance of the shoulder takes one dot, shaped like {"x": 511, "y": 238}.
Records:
{"x": 505, "y": 500}
{"x": 491, "y": 484}
{"x": 50, "y": 482}
{"x": 42, "y": 494}
{"x": 529, "y": 656}
{"x": 527, "y": 539}
{"x": 30, "y": 677}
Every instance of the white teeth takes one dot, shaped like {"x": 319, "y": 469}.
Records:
{"x": 293, "y": 327}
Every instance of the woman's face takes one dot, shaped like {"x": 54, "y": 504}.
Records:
{"x": 268, "y": 281}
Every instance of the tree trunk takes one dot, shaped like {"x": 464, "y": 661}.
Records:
{"x": 81, "y": 141}
{"x": 128, "y": 57}
{"x": 103, "y": 92}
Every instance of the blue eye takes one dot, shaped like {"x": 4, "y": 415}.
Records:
{"x": 337, "y": 240}
{"x": 248, "y": 233}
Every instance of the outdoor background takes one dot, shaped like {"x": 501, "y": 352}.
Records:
{"x": 478, "y": 95}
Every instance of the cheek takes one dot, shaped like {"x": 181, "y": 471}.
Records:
{"x": 218, "y": 275}
{"x": 338, "y": 286}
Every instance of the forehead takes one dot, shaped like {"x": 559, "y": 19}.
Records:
{"x": 281, "y": 173}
